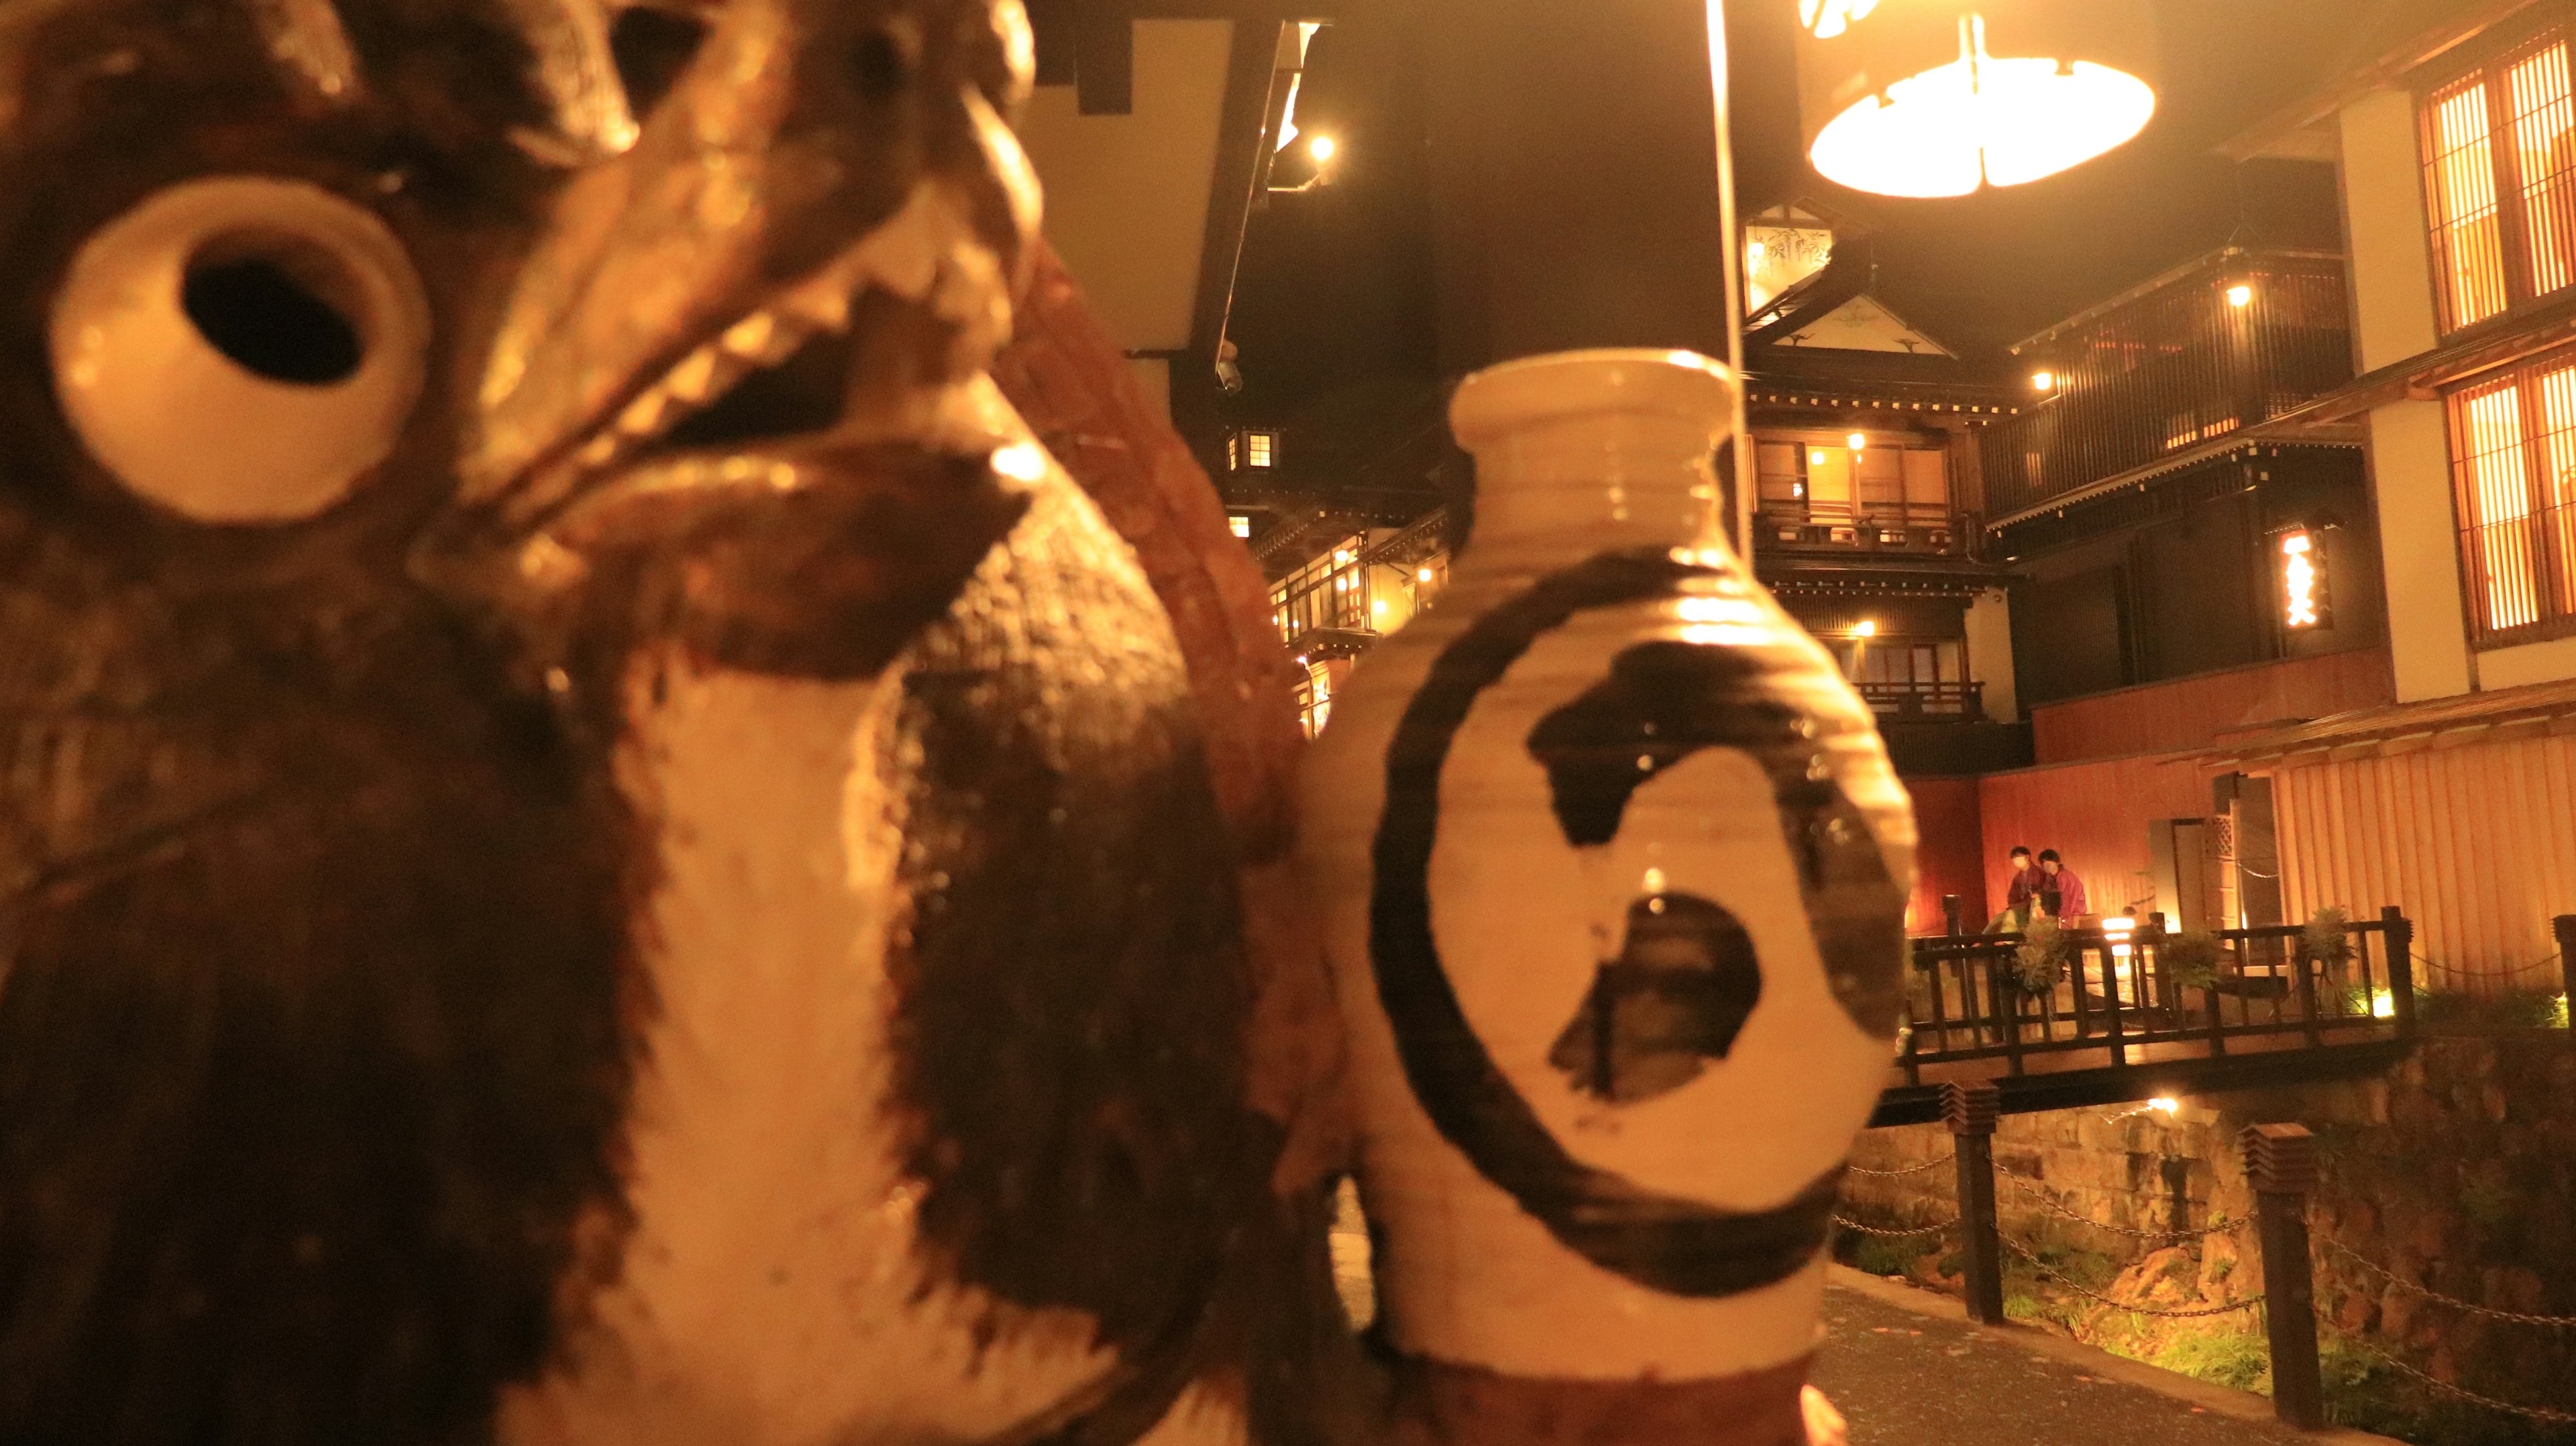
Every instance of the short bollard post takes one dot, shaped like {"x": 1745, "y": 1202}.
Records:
{"x": 2281, "y": 1164}
{"x": 1956, "y": 921}
{"x": 1970, "y": 1111}
{"x": 2565, "y": 928}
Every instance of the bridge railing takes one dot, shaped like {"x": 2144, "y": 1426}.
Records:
{"x": 2116, "y": 997}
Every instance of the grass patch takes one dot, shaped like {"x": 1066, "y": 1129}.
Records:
{"x": 2238, "y": 1360}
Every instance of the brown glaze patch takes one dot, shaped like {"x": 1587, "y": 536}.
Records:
{"x": 1439, "y": 1404}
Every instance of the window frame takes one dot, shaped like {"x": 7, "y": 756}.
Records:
{"x": 2550, "y": 547}
{"x": 2490, "y": 66}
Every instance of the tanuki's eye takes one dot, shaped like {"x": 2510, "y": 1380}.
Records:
{"x": 241, "y": 349}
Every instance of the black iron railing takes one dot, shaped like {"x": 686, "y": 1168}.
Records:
{"x": 2119, "y": 1001}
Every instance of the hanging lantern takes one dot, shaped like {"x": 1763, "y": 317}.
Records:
{"x": 1939, "y": 97}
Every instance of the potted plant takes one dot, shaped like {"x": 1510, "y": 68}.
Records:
{"x": 2039, "y": 961}
{"x": 2194, "y": 959}
{"x": 2324, "y": 941}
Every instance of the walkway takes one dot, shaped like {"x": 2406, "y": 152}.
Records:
{"x": 1907, "y": 1369}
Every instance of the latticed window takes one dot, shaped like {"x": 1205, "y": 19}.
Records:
{"x": 2500, "y": 181}
{"x": 2513, "y": 449}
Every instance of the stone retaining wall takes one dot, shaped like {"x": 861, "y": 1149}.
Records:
{"x": 2456, "y": 1172}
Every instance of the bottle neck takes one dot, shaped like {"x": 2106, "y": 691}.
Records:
{"x": 1595, "y": 483}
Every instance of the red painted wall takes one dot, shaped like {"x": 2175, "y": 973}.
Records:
{"x": 1949, "y": 858}
{"x": 2189, "y": 712}
{"x": 2095, "y": 815}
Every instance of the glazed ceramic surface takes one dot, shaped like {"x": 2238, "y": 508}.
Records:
{"x": 1614, "y": 869}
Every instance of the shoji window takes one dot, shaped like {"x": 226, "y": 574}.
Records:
{"x": 2513, "y": 450}
{"x": 2499, "y": 150}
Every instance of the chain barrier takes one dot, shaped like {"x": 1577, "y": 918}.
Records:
{"x": 2518, "y": 1318}
{"x": 2541, "y": 1414}
{"x": 1894, "y": 1234}
{"x": 1908, "y": 1170}
{"x": 2510, "y": 972}
{"x": 2034, "y": 1189}
{"x": 2063, "y": 1279}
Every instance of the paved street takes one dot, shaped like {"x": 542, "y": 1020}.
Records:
{"x": 1905, "y": 1378}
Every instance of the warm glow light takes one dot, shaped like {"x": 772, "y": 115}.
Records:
{"x": 1826, "y": 19}
{"x": 1322, "y": 148}
{"x": 1422, "y": 574}
{"x": 1981, "y": 120}
{"x": 1856, "y": 441}
{"x": 2383, "y": 1005}
{"x": 2043, "y": 381}
{"x": 1021, "y": 462}
{"x": 1816, "y": 457}
{"x": 1865, "y": 628}
{"x": 2165, "y": 1105}
{"x": 2299, "y": 580}
{"x": 1377, "y": 609}
{"x": 1242, "y": 525}
{"x": 1341, "y": 555}
{"x": 2240, "y": 295}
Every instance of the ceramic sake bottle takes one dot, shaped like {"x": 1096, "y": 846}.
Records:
{"x": 1614, "y": 870}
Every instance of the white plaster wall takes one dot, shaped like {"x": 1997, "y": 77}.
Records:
{"x": 1127, "y": 195}
{"x": 2383, "y": 199}
{"x": 2550, "y": 662}
{"x": 2419, "y": 548}
{"x": 1990, "y": 655}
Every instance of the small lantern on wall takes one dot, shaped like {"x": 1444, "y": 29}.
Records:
{"x": 2305, "y": 602}
{"x": 1939, "y": 97}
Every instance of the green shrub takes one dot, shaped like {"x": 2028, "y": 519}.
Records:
{"x": 2239, "y": 1360}
{"x": 2194, "y": 959}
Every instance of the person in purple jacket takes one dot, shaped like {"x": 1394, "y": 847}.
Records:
{"x": 2061, "y": 893}
{"x": 2023, "y": 891}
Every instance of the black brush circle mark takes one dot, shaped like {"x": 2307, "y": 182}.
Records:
{"x": 1664, "y": 1242}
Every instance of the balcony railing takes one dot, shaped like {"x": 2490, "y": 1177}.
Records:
{"x": 2194, "y": 357}
{"x": 1931, "y": 701}
{"x": 1888, "y": 526}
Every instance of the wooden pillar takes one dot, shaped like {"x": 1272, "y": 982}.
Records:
{"x": 2564, "y": 926}
{"x": 1951, "y": 916}
{"x": 1970, "y": 1110}
{"x": 1580, "y": 189}
{"x": 2281, "y": 1164}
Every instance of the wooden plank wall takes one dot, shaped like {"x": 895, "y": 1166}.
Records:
{"x": 2189, "y": 712}
{"x": 1950, "y": 857}
{"x": 2095, "y": 814}
{"x": 2476, "y": 843}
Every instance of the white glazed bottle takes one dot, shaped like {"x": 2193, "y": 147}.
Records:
{"x": 1614, "y": 872}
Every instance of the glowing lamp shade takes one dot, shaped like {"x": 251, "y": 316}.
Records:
{"x": 1940, "y": 97}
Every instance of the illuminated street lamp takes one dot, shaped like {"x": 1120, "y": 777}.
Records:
{"x": 1939, "y": 97}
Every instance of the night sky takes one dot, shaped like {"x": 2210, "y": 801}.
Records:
{"x": 1333, "y": 309}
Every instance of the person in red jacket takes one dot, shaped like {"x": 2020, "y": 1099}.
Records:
{"x": 2061, "y": 893}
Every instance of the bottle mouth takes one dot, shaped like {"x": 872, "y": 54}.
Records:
{"x": 1680, "y": 386}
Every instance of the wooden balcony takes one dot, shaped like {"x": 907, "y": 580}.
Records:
{"x": 2164, "y": 373}
{"x": 2120, "y": 1025}
{"x": 1926, "y": 702}
{"x": 1869, "y": 526}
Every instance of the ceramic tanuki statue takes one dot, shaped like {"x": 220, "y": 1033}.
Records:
{"x": 597, "y": 846}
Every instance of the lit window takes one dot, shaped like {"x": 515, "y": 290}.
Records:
{"x": 1241, "y": 524}
{"x": 2499, "y": 150}
{"x": 1260, "y": 450}
{"x": 2513, "y": 450}
{"x": 2303, "y": 581}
